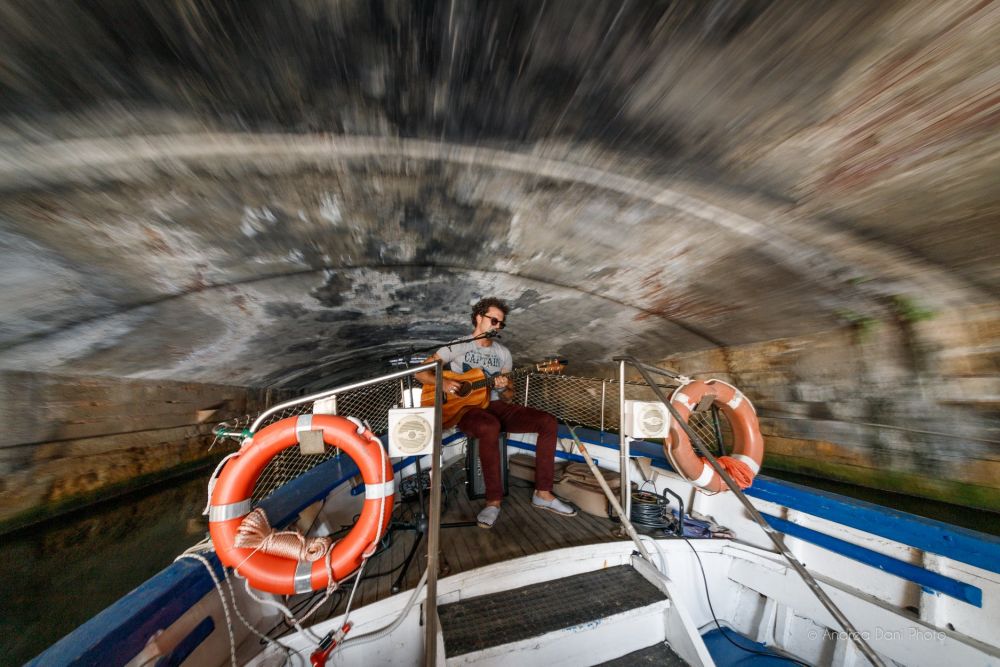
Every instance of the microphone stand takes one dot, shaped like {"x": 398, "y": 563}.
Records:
{"x": 419, "y": 524}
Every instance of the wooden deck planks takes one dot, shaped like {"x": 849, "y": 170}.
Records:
{"x": 520, "y": 531}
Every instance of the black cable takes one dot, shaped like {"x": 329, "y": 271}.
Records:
{"x": 649, "y": 511}
{"x": 719, "y": 626}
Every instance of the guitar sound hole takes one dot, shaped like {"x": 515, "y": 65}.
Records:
{"x": 465, "y": 389}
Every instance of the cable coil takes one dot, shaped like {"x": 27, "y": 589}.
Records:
{"x": 651, "y": 511}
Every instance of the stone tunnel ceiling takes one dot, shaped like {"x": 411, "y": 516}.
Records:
{"x": 264, "y": 195}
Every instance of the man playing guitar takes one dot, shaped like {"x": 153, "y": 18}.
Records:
{"x": 495, "y": 360}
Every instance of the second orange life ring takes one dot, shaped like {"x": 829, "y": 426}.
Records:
{"x": 748, "y": 449}
{"x": 230, "y": 503}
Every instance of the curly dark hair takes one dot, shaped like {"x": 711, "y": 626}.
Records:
{"x": 485, "y": 304}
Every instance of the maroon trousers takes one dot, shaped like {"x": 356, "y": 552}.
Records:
{"x": 486, "y": 424}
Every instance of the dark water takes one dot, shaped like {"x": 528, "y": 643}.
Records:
{"x": 56, "y": 576}
{"x": 979, "y": 520}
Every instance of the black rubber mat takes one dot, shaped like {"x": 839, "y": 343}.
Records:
{"x": 509, "y": 616}
{"x": 658, "y": 654}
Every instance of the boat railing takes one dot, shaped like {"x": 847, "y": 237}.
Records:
{"x": 587, "y": 401}
{"x": 370, "y": 401}
{"x": 647, "y": 371}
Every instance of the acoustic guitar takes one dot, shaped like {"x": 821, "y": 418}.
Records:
{"x": 475, "y": 389}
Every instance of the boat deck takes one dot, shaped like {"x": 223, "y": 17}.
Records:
{"x": 520, "y": 531}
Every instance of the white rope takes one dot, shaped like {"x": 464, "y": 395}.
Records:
{"x": 222, "y": 597}
{"x": 205, "y": 545}
{"x": 331, "y": 586}
{"x": 354, "y": 589}
{"x": 212, "y": 479}
{"x": 287, "y": 650}
{"x": 285, "y": 611}
{"x": 381, "y": 508}
{"x": 378, "y": 536}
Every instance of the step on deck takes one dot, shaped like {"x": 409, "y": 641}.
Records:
{"x": 660, "y": 655}
{"x": 509, "y": 616}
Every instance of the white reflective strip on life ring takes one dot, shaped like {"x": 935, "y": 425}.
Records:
{"x": 684, "y": 400}
{"x": 230, "y": 511}
{"x": 737, "y": 391}
{"x": 736, "y": 400}
{"x": 376, "y": 491}
{"x": 303, "y": 423}
{"x": 753, "y": 465}
{"x": 303, "y": 577}
{"x": 705, "y": 477}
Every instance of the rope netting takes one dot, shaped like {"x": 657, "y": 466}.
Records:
{"x": 593, "y": 403}
{"x": 370, "y": 404}
{"x": 583, "y": 401}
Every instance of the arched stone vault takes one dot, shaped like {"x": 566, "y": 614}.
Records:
{"x": 799, "y": 198}
{"x": 333, "y": 247}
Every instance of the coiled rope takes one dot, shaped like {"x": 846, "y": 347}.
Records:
{"x": 255, "y": 532}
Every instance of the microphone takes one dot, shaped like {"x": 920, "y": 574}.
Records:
{"x": 492, "y": 333}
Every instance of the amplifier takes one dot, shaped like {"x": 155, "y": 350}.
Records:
{"x": 475, "y": 486}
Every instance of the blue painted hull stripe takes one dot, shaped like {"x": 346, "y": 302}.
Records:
{"x": 929, "y": 580}
{"x": 959, "y": 544}
{"x": 118, "y": 633}
{"x": 965, "y": 546}
{"x": 530, "y": 447}
{"x": 187, "y": 645}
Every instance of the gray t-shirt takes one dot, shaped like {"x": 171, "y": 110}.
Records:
{"x": 493, "y": 359}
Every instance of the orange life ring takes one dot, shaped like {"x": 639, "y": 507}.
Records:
{"x": 748, "y": 448}
{"x": 230, "y": 502}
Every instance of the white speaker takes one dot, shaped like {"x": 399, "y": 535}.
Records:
{"x": 646, "y": 419}
{"x": 411, "y": 432}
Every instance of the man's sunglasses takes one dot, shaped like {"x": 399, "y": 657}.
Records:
{"x": 495, "y": 321}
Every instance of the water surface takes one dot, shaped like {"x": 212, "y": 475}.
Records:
{"x": 61, "y": 573}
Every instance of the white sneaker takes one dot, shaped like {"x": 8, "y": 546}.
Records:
{"x": 554, "y": 505}
{"x": 488, "y": 516}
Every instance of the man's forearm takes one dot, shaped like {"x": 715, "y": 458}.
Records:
{"x": 425, "y": 377}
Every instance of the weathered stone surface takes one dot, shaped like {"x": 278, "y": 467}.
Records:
{"x": 283, "y": 196}
{"x": 69, "y": 440}
{"x": 893, "y": 406}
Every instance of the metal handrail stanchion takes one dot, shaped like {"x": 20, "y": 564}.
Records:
{"x": 434, "y": 528}
{"x": 623, "y": 449}
{"x": 776, "y": 537}
{"x": 604, "y": 391}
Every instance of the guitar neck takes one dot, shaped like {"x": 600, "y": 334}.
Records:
{"x": 488, "y": 381}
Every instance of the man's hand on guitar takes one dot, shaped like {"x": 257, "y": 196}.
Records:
{"x": 501, "y": 382}
{"x": 450, "y": 386}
